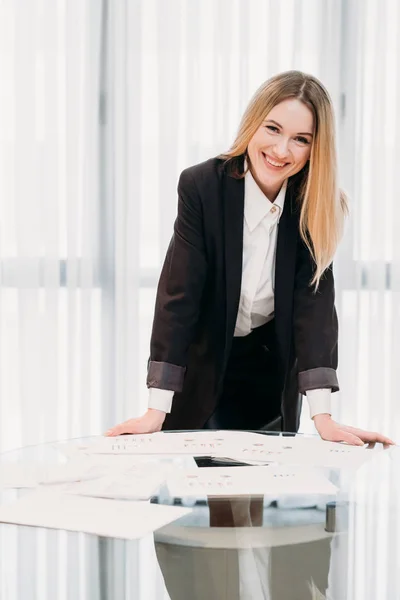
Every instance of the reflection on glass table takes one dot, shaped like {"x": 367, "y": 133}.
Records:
{"x": 307, "y": 546}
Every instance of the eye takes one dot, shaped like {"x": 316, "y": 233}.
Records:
{"x": 302, "y": 140}
{"x": 272, "y": 128}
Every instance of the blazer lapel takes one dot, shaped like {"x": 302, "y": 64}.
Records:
{"x": 285, "y": 268}
{"x": 233, "y": 201}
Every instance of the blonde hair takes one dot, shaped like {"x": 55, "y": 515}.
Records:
{"x": 323, "y": 205}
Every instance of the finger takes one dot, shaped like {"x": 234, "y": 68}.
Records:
{"x": 353, "y": 440}
{"x": 117, "y": 430}
{"x": 111, "y": 432}
{"x": 347, "y": 438}
{"x": 368, "y": 436}
{"x": 386, "y": 441}
{"x": 372, "y": 438}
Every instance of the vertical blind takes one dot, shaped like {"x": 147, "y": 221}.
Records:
{"x": 368, "y": 282}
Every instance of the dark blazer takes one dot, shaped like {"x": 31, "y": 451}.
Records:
{"x": 198, "y": 297}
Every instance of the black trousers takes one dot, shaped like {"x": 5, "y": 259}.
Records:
{"x": 251, "y": 390}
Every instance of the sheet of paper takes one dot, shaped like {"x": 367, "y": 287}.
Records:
{"x": 198, "y": 443}
{"x": 267, "y": 480}
{"x": 114, "y": 487}
{"x": 79, "y": 469}
{"x": 138, "y": 482}
{"x": 108, "y": 518}
{"x": 302, "y": 451}
{"x": 30, "y": 475}
{"x": 18, "y": 475}
{"x": 71, "y": 472}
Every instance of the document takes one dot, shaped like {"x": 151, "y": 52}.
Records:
{"x": 198, "y": 443}
{"x": 108, "y": 518}
{"x": 18, "y": 475}
{"x": 138, "y": 482}
{"x": 266, "y": 480}
{"x": 84, "y": 470}
{"x": 299, "y": 450}
{"x": 30, "y": 475}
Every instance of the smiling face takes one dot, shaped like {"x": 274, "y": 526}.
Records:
{"x": 281, "y": 146}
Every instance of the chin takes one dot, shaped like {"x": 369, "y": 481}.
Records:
{"x": 268, "y": 178}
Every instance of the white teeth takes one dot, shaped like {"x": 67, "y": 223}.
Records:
{"x": 273, "y": 163}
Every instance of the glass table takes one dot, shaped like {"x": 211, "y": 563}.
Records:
{"x": 345, "y": 547}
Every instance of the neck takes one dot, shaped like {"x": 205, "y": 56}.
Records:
{"x": 270, "y": 191}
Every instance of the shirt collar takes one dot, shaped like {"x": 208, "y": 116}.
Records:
{"x": 257, "y": 205}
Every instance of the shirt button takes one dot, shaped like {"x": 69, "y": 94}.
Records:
{"x": 273, "y": 209}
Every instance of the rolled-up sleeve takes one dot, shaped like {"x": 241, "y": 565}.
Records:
{"x": 315, "y": 326}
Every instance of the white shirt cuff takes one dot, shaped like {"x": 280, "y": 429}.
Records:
{"x": 160, "y": 399}
{"x": 319, "y": 401}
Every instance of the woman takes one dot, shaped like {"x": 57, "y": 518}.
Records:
{"x": 245, "y": 320}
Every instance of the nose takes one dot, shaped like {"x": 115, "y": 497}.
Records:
{"x": 281, "y": 148}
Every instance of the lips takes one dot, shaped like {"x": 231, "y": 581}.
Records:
{"x": 275, "y": 164}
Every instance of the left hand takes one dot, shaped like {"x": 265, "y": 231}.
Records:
{"x": 329, "y": 430}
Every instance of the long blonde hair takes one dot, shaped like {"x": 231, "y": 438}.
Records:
{"x": 323, "y": 205}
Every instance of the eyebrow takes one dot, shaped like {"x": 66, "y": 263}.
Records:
{"x": 279, "y": 125}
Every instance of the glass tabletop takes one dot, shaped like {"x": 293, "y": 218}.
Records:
{"x": 340, "y": 547}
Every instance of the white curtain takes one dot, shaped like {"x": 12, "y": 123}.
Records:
{"x": 368, "y": 264}
{"x": 53, "y": 368}
{"x": 102, "y": 104}
{"x": 368, "y": 292}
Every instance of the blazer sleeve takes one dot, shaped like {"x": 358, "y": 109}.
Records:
{"x": 315, "y": 326}
{"x": 179, "y": 292}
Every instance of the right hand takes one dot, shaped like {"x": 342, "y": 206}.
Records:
{"x": 150, "y": 422}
